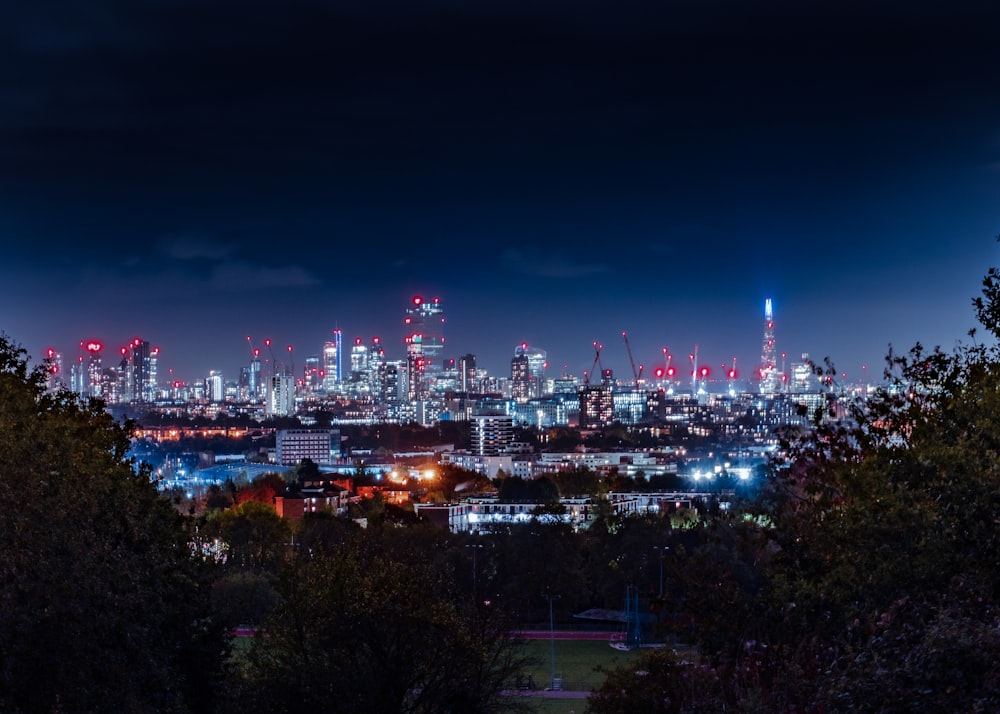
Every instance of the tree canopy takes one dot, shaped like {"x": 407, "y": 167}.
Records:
{"x": 869, "y": 580}
{"x": 97, "y": 583}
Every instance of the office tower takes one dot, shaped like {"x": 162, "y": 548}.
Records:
{"x": 91, "y": 378}
{"x": 339, "y": 348}
{"x": 391, "y": 386}
{"x": 467, "y": 374}
{"x": 332, "y": 362}
{"x": 310, "y": 375}
{"x": 424, "y": 340}
{"x": 214, "y": 387}
{"x": 769, "y": 376}
{"x": 532, "y": 361}
{"x": 520, "y": 377}
{"x": 359, "y": 360}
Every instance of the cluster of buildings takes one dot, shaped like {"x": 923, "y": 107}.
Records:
{"x": 358, "y": 383}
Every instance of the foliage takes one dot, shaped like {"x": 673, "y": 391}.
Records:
{"x": 660, "y": 682}
{"x": 874, "y": 585}
{"x": 514, "y": 489}
{"x": 257, "y": 539}
{"x": 101, "y": 599}
{"x": 579, "y": 481}
{"x": 367, "y": 631}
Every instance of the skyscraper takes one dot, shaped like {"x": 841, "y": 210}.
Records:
{"x": 520, "y": 377}
{"x": 528, "y": 378}
{"x": 769, "y": 377}
{"x": 424, "y": 341}
{"x": 141, "y": 372}
{"x": 280, "y": 395}
{"x": 467, "y": 374}
{"x": 333, "y": 362}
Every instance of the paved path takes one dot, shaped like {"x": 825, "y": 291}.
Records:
{"x": 562, "y": 635}
{"x": 548, "y": 693}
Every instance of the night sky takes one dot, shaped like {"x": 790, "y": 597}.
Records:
{"x": 196, "y": 172}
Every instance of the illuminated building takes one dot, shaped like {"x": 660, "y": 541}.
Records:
{"x": 139, "y": 362}
{"x": 280, "y": 395}
{"x": 543, "y": 413}
{"x": 311, "y": 375}
{"x": 391, "y": 387}
{"x": 491, "y": 434}
{"x": 255, "y": 384}
{"x": 527, "y": 372}
{"x": 55, "y": 370}
{"x": 630, "y": 405}
{"x": 214, "y": 387}
{"x": 332, "y": 362}
{"x": 770, "y": 378}
{"x": 359, "y": 360}
{"x": 89, "y": 378}
{"x": 467, "y": 374}
{"x": 520, "y": 378}
{"x": 803, "y": 378}
{"x": 424, "y": 341}
{"x": 322, "y": 446}
{"x": 596, "y": 407}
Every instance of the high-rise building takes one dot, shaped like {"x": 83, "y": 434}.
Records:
{"x": 333, "y": 362}
{"x": 424, "y": 341}
{"x": 54, "y": 362}
{"x": 359, "y": 360}
{"x": 467, "y": 374}
{"x": 391, "y": 387}
{"x": 596, "y": 407}
{"x": 215, "y": 387}
{"x": 140, "y": 372}
{"x": 280, "y": 395}
{"x": 770, "y": 379}
{"x": 92, "y": 379}
{"x": 520, "y": 377}
{"x": 528, "y": 372}
{"x": 491, "y": 434}
{"x": 311, "y": 381}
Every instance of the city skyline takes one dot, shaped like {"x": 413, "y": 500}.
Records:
{"x": 556, "y": 173}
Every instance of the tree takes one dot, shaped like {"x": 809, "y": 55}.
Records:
{"x": 255, "y": 536}
{"x": 875, "y": 583}
{"x": 100, "y": 594}
{"x": 364, "y": 631}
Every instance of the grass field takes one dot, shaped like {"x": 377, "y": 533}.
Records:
{"x": 576, "y": 662}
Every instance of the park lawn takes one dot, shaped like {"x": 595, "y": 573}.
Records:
{"x": 576, "y": 662}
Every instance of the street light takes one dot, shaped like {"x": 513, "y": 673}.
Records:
{"x": 662, "y": 549}
{"x": 475, "y": 548}
{"x": 552, "y": 641}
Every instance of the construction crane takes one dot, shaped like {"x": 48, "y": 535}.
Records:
{"x": 597, "y": 362}
{"x": 636, "y": 374}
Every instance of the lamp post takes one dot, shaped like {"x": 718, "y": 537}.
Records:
{"x": 552, "y": 641}
{"x": 662, "y": 550}
{"x": 475, "y": 547}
